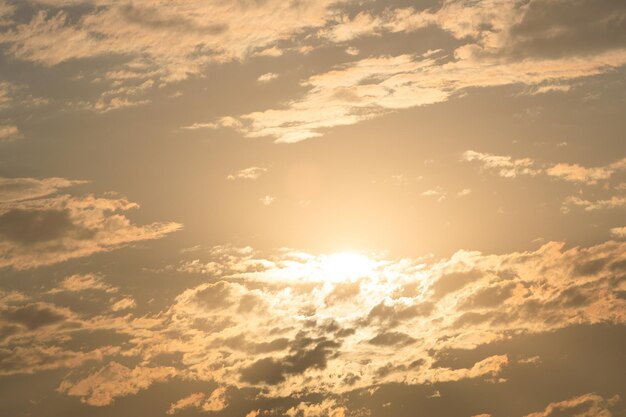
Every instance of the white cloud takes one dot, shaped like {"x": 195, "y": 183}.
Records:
{"x": 505, "y": 166}
{"x": 251, "y": 173}
{"x": 267, "y": 200}
{"x": 269, "y": 76}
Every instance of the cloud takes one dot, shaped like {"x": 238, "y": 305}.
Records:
{"x": 619, "y": 231}
{"x": 8, "y": 132}
{"x": 251, "y": 173}
{"x": 213, "y": 403}
{"x": 267, "y": 200}
{"x": 586, "y": 405}
{"x": 392, "y": 339}
{"x": 269, "y": 76}
{"x": 83, "y": 282}
{"x": 285, "y": 323}
{"x": 192, "y": 400}
{"x": 326, "y": 408}
{"x": 274, "y": 371}
{"x": 124, "y": 304}
{"x": 580, "y": 174}
{"x": 175, "y": 40}
{"x": 33, "y": 316}
{"x": 16, "y": 189}
{"x": 225, "y": 121}
{"x": 505, "y": 166}
{"x": 114, "y": 380}
{"x": 613, "y": 202}
{"x": 491, "y": 35}
{"x": 508, "y": 167}
{"x": 45, "y": 231}
{"x": 438, "y": 193}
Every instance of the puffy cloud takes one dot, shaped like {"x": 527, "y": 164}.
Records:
{"x": 44, "y": 231}
{"x": 295, "y": 322}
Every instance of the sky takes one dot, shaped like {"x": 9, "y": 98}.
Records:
{"x": 330, "y": 208}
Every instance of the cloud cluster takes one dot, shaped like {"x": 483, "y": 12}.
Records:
{"x": 38, "y": 229}
{"x": 296, "y": 322}
{"x": 495, "y": 50}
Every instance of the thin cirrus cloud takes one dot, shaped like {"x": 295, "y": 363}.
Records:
{"x": 584, "y": 405}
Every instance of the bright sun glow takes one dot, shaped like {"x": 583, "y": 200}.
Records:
{"x": 345, "y": 265}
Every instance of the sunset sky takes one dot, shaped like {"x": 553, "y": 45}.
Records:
{"x": 313, "y": 208}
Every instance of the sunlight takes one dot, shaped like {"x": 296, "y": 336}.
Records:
{"x": 346, "y": 265}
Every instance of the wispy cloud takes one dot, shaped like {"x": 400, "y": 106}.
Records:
{"x": 251, "y": 173}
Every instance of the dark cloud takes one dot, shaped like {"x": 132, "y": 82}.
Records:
{"x": 449, "y": 283}
{"x": 35, "y": 226}
{"x": 273, "y": 371}
{"x": 240, "y": 343}
{"x": 556, "y": 28}
{"x": 391, "y": 339}
{"x": 214, "y": 296}
{"x": 488, "y": 297}
{"x": 472, "y": 318}
{"x": 249, "y": 302}
{"x": 393, "y": 315}
{"x": 590, "y": 267}
{"x": 150, "y": 17}
{"x": 33, "y": 316}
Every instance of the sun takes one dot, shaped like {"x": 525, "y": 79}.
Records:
{"x": 346, "y": 265}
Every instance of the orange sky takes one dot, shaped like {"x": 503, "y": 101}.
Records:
{"x": 328, "y": 208}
